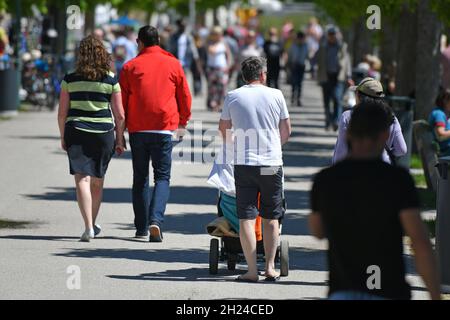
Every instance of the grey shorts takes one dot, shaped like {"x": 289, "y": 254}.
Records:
{"x": 259, "y": 190}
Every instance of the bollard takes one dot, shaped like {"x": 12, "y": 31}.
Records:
{"x": 9, "y": 92}
{"x": 443, "y": 223}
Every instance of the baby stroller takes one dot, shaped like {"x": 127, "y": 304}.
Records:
{"x": 226, "y": 246}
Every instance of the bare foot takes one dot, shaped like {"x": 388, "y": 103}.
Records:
{"x": 271, "y": 274}
{"x": 249, "y": 277}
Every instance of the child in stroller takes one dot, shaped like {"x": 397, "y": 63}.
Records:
{"x": 226, "y": 227}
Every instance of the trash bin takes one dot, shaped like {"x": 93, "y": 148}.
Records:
{"x": 403, "y": 108}
{"x": 9, "y": 92}
{"x": 443, "y": 222}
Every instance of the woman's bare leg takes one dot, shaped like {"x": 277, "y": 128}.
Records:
{"x": 97, "y": 195}
{"x": 83, "y": 185}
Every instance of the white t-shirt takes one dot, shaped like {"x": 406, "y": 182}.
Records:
{"x": 219, "y": 58}
{"x": 255, "y": 112}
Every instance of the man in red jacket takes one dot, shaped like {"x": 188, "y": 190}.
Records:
{"x": 157, "y": 101}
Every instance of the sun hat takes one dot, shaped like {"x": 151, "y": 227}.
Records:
{"x": 370, "y": 87}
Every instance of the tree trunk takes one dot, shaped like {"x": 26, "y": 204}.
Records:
{"x": 407, "y": 47}
{"x": 388, "y": 50}
{"x": 89, "y": 21}
{"x": 428, "y": 58}
{"x": 362, "y": 41}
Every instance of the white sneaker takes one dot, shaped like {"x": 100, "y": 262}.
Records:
{"x": 87, "y": 236}
{"x": 97, "y": 230}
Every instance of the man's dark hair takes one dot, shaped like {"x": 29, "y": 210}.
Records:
{"x": 181, "y": 25}
{"x": 149, "y": 36}
{"x": 381, "y": 102}
{"x": 252, "y": 68}
{"x": 443, "y": 98}
{"x": 300, "y": 35}
{"x": 369, "y": 120}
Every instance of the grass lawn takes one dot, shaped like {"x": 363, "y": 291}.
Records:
{"x": 298, "y": 20}
{"x": 427, "y": 197}
{"x": 8, "y": 224}
{"x": 416, "y": 162}
{"x": 420, "y": 180}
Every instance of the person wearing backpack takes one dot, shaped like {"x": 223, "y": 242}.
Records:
{"x": 371, "y": 90}
{"x": 364, "y": 207}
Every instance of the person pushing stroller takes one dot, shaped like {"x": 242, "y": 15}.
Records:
{"x": 260, "y": 121}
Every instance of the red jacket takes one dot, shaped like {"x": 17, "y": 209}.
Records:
{"x": 155, "y": 92}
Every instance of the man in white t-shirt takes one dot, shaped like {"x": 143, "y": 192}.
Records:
{"x": 260, "y": 121}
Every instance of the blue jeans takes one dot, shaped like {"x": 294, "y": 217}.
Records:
{"x": 353, "y": 295}
{"x": 157, "y": 148}
{"x": 333, "y": 90}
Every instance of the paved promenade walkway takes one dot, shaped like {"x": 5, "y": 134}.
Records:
{"x": 35, "y": 186}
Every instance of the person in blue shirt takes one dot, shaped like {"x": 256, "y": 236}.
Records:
{"x": 297, "y": 56}
{"x": 439, "y": 121}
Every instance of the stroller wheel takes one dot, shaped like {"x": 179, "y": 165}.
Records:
{"x": 214, "y": 256}
{"x": 284, "y": 258}
{"x": 232, "y": 260}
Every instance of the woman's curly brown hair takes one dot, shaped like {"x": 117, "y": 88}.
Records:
{"x": 93, "y": 61}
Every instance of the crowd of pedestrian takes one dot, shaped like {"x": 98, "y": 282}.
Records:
{"x": 363, "y": 203}
{"x": 216, "y": 54}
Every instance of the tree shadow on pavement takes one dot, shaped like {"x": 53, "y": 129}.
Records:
{"x": 40, "y": 238}
{"x": 181, "y": 223}
{"x": 307, "y": 259}
{"x": 36, "y": 137}
{"x": 191, "y": 274}
{"x": 202, "y": 274}
{"x": 300, "y": 258}
{"x": 192, "y": 256}
{"x": 178, "y": 195}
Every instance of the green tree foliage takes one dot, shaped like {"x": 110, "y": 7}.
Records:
{"x": 442, "y": 8}
{"x": 181, "y": 6}
{"x": 345, "y": 12}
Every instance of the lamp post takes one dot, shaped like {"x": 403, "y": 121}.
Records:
{"x": 192, "y": 14}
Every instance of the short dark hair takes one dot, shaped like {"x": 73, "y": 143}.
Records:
{"x": 379, "y": 101}
{"x": 149, "y": 36}
{"x": 300, "y": 35}
{"x": 443, "y": 98}
{"x": 252, "y": 68}
{"x": 369, "y": 120}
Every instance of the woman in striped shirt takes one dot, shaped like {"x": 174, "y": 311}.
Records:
{"x": 90, "y": 110}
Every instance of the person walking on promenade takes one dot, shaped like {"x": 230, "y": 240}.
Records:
{"x": 371, "y": 90}
{"x": 218, "y": 65}
{"x": 273, "y": 49}
{"x": 260, "y": 120}
{"x": 298, "y": 54}
{"x": 250, "y": 49}
{"x": 440, "y": 123}
{"x": 314, "y": 33}
{"x": 157, "y": 102}
{"x": 334, "y": 69}
{"x": 364, "y": 206}
{"x": 89, "y": 98}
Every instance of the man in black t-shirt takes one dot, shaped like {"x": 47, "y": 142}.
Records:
{"x": 363, "y": 206}
{"x": 273, "y": 50}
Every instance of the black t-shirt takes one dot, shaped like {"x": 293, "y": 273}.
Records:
{"x": 359, "y": 202}
{"x": 273, "y": 51}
